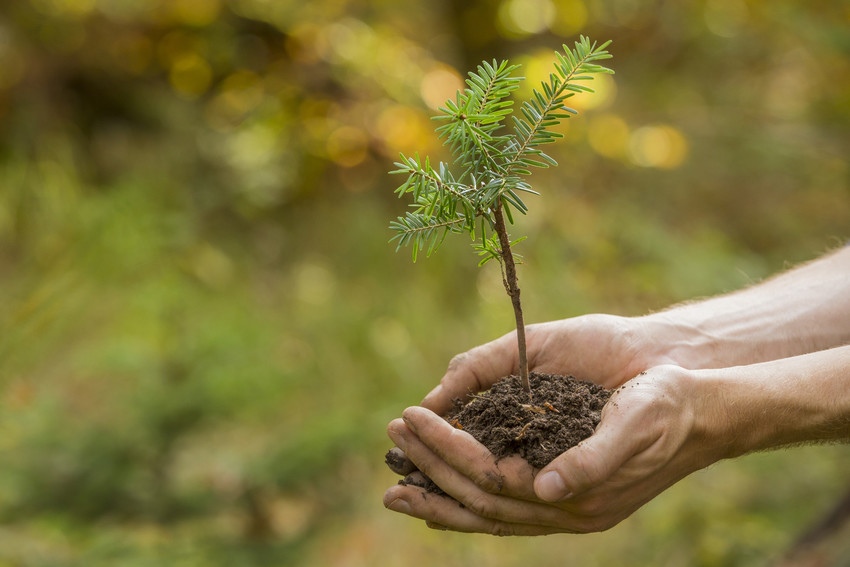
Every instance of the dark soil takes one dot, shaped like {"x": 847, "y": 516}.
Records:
{"x": 563, "y": 412}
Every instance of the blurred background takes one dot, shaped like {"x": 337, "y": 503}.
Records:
{"x": 203, "y": 330}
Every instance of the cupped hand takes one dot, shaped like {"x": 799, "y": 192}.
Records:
{"x": 605, "y": 349}
{"x": 653, "y": 432}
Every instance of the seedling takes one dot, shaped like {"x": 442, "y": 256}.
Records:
{"x": 479, "y": 192}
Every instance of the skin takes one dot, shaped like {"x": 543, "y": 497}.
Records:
{"x": 761, "y": 368}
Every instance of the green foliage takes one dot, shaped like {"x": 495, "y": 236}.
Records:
{"x": 490, "y": 165}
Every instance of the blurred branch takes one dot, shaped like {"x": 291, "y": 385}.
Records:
{"x": 811, "y": 549}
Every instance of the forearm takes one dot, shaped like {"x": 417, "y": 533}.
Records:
{"x": 802, "y": 399}
{"x": 803, "y": 310}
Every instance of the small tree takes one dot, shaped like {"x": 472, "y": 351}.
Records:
{"x": 479, "y": 192}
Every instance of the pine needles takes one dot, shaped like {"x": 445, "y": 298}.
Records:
{"x": 492, "y": 162}
{"x": 487, "y": 180}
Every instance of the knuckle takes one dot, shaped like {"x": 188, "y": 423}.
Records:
{"x": 481, "y": 505}
{"x": 425, "y": 467}
{"x": 489, "y": 481}
{"x": 597, "y": 514}
{"x": 500, "y": 529}
{"x": 592, "y": 508}
{"x": 585, "y": 468}
{"x": 595, "y": 525}
{"x": 457, "y": 361}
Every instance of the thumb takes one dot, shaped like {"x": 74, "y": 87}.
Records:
{"x": 588, "y": 464}
{"x": 472, "y": 372}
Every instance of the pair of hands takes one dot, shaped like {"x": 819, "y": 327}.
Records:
{"x": 652, "y": 434}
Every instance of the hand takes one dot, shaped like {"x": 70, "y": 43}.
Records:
{"x": 604, "y": 349}
{"x": 653, "y": 433}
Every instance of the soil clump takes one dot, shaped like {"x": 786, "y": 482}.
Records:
{"x": 563, "y": 412}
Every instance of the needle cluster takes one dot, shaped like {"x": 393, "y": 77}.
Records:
{"x": 487, "y": 180}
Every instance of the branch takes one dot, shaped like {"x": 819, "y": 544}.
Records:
{"x": 544, "y": 113}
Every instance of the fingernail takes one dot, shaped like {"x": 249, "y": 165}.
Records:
{"x": 396, "y": 433}
{"x": 550, "y": 487}
{"x": 407, "y": 421}
{"x": 399, "y": 505}
{"x": 433, "y": 393}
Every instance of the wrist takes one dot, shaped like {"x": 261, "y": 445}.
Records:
{"x": 797, "y": 400}
{"x": 728, "y": 411}
{"x": 676, "y": 340}
{"x": 715, "y": 422}
{"x": 723, "y": 333}
{"x": 803, "y": 310}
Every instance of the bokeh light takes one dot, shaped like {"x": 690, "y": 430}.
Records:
{"x": 403, "y": 129}
{"x": 389, "y": 337}
{"x": 347, "y": 146}
{"x": 571, "y": 17}
{"x": 526, "y": 17}
{"x": 66, "y": 8}
{"x": 608, "y": 134}
{"x": 440, "y": 84}
{"x": 195, "y": 12}
{"x": 658, "y": 145}
{"x": 725, "y": 18}
{"x": 190, "y": 75}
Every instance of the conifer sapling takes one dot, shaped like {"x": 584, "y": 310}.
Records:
{"x": 479, "y": 192}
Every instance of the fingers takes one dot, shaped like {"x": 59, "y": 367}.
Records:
{"x": 634, "y": 454}
{"x": 593, "y": 461}
{"x": 511, "y": 476}
{"x": 474, "y": 371}
{"x": 444, "y": 513}
{"x": 576, "y": 471}
{"x": 498, "y": 496}
{"x": 643, "y": 427}
{"x": 483, "y": 470}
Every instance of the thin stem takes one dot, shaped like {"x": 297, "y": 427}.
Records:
{"x": 512, "y": 287}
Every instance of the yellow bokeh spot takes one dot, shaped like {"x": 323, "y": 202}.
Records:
{"x": 570, "y": 18}
{"x": 79, "y": 7}
{"x": 195, "y": 12}
{"x": 439, "y": 84}
{"x": 242, "y": 91}
{"x": 659, "y": 145}
{"x": 74, "y": 8}
{"x": 211, "y": 266}
{"x": 190, "y": 75}
{"x": 132, "y": 52}
{"x": 604, "y": 92}
{"x": 608, "y": 135}
{"x": 725, "y": 18}
{"x": 389, "y": 337}
{"x": 526, "y": 17}
{"x": 539, "y": 65}
{"x": 401, "y": 128}
{"x": 350, "y": 39}
{"x": 536, "y": 67}
{"x": 347, "y": 146}
{"x": 303, "y": 43}
{"x": 253, "y": 147}
{"x": 314, "y": 284}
